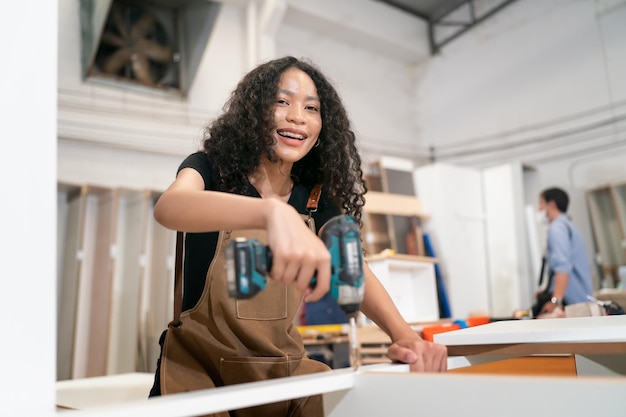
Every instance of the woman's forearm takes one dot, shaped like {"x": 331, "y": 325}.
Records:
{"x": 379, "y": 307}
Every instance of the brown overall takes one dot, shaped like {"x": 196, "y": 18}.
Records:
{"x": 223, "y": 341}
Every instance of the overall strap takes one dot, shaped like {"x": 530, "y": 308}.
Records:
{"x": 314, "y": 199}
{"x": 311, "y": 207}
{"x": 178, "y": 279}
{"x": 312, "y": 203}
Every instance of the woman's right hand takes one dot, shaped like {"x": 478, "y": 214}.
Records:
{"x": 298, "y": 254}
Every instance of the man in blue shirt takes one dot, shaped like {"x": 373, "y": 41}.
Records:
{"x": 566, "y": 253}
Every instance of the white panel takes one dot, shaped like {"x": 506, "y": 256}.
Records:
{"x": 68, "y": 276}
{"x": 156, "y": 285}
{"x": 372, "y": 391}
{"x": 566, "y": 330}
{"x": 85, "y": 283}
{"x": 536, "y": 244}
{"x": 28, "y": 40}
{"x": 398, "y": 164}
{"x": 506, "y": 241}
{"x": 122, "y": 353}
{"x": 409, "y": 395}
{"x": 412, "y": 287}
{"x": 452, "y": 196}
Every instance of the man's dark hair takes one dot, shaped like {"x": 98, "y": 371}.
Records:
{"x": 559, "y": 197}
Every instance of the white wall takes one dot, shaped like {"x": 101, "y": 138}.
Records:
{"x": 112, "y": 137}
{"x": 533, "y": 69}
{"x": 559, "y": 63}
{"x": 27, "y": 177}
{"x": 541, "y": 83}
{"x": 136, "y": 140}
{"x": 370, "y": 52}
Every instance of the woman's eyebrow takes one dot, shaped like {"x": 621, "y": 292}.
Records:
{"x": 291, "y": 93}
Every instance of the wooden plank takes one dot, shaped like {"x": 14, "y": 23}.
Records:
{"x": 84, "y": 254}
{"x": 122, "y": 352}
{"x": 392, "y": 204}
{"x": 581, "y": 348}
{"x": 374, "y": 360}
{"x": 619, "y": 198}
{"x": 527, "y": 365}
{"x": 401, "y": 257}
{"x": 157, "y": 286}
{"x": 367, "y": 350}
{"x": 68, "y": 276}
{"x": 101, "y": 281}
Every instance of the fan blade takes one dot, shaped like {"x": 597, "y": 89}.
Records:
{"x": 112, "y": 39}
{"x": 117, "y": 60}
{"x": 141, "y": 68}
{"x": 142, "y": 26}
{"x": 155, "y": 51}
{"x": 118, "y": 20}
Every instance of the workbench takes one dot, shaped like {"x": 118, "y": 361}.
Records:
{"x": 583, "y": 346}
{"x": 389, "y": 389}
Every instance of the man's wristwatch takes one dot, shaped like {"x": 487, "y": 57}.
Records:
{"x": 556, "y": 301}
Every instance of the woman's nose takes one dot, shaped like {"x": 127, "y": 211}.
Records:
{"x": 295, "y": 114}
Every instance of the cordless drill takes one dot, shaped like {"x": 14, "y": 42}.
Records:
{"x": 248, "y": 262}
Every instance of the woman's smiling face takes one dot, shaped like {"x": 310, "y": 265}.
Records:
{"x": 297, "y": 115}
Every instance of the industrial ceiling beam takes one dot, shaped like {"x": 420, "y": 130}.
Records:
{"x": 445, "y": 17}
{"x": 462, "y": 26}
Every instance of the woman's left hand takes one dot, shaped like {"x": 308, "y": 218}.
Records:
{"x": 422, "y": 356}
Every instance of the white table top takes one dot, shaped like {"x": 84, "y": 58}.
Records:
{"x": 562, "y": 330}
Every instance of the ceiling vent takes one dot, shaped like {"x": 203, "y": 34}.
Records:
{"x": 145, "y": 45}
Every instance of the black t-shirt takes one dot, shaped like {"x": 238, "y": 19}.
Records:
{"x": 200, "y": 247}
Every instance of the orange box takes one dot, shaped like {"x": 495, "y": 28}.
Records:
{"x": 429, "y": 331}
{"x": 477, "y": 320}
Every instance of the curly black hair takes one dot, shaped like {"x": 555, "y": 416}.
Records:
{"x": 236, "y": 141}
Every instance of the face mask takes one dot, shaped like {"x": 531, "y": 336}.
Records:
{"x": 542, "y": 217}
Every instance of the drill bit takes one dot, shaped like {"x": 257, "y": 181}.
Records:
{"x": 354, "y": 345}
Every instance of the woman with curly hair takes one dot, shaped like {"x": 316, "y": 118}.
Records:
{"x": 283, "y": 132}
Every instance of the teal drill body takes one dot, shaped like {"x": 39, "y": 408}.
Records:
{"x": 249, "y": 261}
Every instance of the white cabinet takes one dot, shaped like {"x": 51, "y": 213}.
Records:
{"x": 509, "y": 264}
{"x": 477, "y": 229}
{"x": 410, "y": 281}
{"x": 452, "y": 197}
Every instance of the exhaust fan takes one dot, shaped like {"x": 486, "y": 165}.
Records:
{"x": 155, "y": 44}
{"x": 136, "y": 46}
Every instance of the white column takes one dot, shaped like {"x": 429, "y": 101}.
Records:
{"x": 263, "y": 19}
{"x": 28, "y": 92}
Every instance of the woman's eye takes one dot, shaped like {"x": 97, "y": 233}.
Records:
{"x": 281, "y": 101}
{"x": 312, "y": 108}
